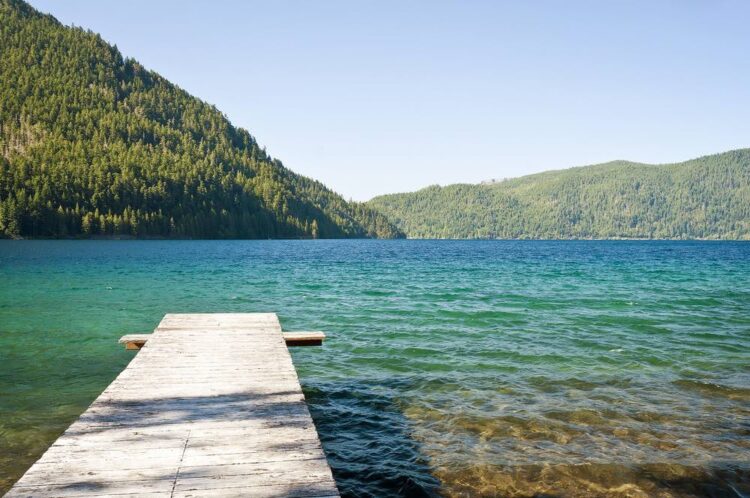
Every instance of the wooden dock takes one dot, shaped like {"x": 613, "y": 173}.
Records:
{"x": 210, "y": 406}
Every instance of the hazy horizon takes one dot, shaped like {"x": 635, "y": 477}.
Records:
{"x": 376, "y": 98}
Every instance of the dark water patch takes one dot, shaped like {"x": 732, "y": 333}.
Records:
{"x": 368, "y": 442}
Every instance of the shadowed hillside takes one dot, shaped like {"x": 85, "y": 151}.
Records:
{"x": 92, "y": 143}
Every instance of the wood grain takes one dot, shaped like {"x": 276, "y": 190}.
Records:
{"x": 210, "y": 406}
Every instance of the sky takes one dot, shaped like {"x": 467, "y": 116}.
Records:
{"x": 381, "y": 96}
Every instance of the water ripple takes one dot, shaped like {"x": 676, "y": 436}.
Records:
{"x": 451, "y": 368}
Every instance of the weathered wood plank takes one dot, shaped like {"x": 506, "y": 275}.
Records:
{"x": 137, "y": 341}
{"x": 134, "y": 341}
{"x": 304, "y": 338}
{"x": 227, "y": 418}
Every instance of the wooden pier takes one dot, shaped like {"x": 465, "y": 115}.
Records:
{"x": 210, "y": 406}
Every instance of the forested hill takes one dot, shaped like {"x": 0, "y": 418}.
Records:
{"x": 94, "y": 144}
{"x": 708, "y": 197}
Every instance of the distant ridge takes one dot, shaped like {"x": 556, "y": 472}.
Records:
{"x": 704, "y": 198}
{"x": 92, "y": 144}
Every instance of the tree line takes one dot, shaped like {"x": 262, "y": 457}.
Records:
{"x": 92, "y": 143}
{"x": 705, "y": 198}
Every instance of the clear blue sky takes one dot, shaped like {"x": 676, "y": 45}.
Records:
{"x": 373, "y": 97}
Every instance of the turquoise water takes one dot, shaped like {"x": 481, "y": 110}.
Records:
{"x": 473, "y": 368}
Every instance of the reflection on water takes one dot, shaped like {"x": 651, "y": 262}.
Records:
{"x": 471, "y": 368}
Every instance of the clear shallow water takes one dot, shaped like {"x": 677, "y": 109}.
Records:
{"x": 460, "y": 368}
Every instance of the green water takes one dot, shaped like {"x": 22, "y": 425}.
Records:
{"x": 457, "y": 368}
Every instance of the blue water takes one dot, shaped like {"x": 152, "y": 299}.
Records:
{"x": 462, "y": 368}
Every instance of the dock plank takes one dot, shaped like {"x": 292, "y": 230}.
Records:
{"x": 210, "y": 406}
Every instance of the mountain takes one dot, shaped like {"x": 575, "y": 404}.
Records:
{"x": 92, "y": 143}
{"x": 705, "y": 198}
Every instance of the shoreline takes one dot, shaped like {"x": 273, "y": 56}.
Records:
{"x": 581, "y": 239}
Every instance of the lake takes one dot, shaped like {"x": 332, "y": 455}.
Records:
{"x": 462, "y": 368}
